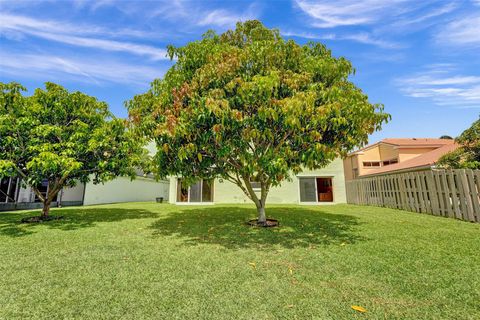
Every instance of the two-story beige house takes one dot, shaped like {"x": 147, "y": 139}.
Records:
{"x": 396, "y": 155}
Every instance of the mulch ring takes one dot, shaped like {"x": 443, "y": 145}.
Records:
{"x": 267, "y": 224}
{"x": 39, "y": 219}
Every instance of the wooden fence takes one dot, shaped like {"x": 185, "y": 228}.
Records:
{"x": 449, "y": 193}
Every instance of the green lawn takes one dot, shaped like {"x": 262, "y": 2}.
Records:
{"x": 146, "y": 260}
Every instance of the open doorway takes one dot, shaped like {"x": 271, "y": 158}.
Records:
{"x": 324, "y": 190}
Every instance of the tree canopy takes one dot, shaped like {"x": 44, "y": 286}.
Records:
{"x": 467, "y": 156}
{"x": 63, "y": 138}
{"x": 249, "y": 105}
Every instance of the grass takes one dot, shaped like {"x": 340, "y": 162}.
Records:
{"x": 146, "y": 260}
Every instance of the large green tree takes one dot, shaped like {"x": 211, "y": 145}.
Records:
{"x": 63, "y": 138}
{"x": 248, "y": 105}
{"x": 467, "y": 156}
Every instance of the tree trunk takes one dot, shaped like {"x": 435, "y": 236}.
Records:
{"x": 259, "y": 203}
{"x": 46, "y": 209}
{"x": 262, "y": 218}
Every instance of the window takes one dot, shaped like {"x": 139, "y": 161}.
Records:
{"x": 389, "y": 162}
{"x": 200, "y": 191}
{"x": 307, "y": 190}
{"x": 371, "y": 163}
{"x": 316, "y": 189}
{"x": 4, "y": 184}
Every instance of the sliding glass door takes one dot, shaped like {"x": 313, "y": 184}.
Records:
{"x": 308, "y": 191}
{"x": 316, "y": 189}
{"x": 200, "y": 191}
{"x": 8, "y": 189}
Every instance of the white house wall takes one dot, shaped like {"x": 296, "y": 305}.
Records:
{"x": 125, "y": 190}
{"x": 72, "y": 194}
{"x": 288, "y": 192}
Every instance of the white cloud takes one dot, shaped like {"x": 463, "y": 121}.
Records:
{"x": 53, "y": 67}
{"x": 449, "y": 7}
{"x": 463, "y": 31}
{"x": 108, "y": 45}
{"x": 224, "y": 18}
{"x": 334, "y": 13}
{"x": 12, "y": 26}
{"x": 363, "y": 37}
{"x": 442, "y": 86}
{"x": 368, "y": 39}
{"x": 193, "y": 15}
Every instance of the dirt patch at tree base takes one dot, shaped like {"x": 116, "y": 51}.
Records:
{"x": 267, "y": 224}
{"x": 39, "y": 219}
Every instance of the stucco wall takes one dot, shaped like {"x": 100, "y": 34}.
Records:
{"x": 410, "y": 153}
{"x": 125, "y": 190}
{"x": 372, "y": 154}
{"x": 25, "y": 195}
{"x": 72, "y": 194}
{"x": 349, "y": 164}
{"x": 288, "y": 192}
{"x": 388, "y": 152}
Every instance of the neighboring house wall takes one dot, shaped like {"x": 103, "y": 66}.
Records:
{"x": 124, "y": 190}
{"x": 410, "y": 153}
{"x": 367, "y": 156}
{"x": 349, "y": 164}
{"x": 388, "y": 152}
{"x": 288, "y": 192}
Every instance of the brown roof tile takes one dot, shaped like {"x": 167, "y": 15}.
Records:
{"x": 418, "y": 141}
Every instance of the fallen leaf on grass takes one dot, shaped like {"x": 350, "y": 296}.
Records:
{"x": 254, "y": 266}
{"x": 359, "y": 309}
{"x": 290, "y": 270}
{"x": 290, "y": 306}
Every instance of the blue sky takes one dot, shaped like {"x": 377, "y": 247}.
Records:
{"x": 421, "y": 59}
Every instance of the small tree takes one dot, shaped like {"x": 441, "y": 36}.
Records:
{"x": 63, "y": 138}
{"x": 468, "y": 154}
{"x": 248, "y": 105}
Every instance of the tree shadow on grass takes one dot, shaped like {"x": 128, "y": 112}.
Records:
{"x": 226, "y": 226}
{"x": 74, "y": 218}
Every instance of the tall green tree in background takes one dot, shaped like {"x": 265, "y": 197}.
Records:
{"x": 248, "y": 105}
{"x": 63, "y": 138}
{"x": 467, "y": 156}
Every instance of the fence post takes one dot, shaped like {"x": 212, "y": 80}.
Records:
{"x": 473, "y": 194}
{"x": 432, "y": 193}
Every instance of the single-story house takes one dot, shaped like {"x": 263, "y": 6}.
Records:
{"x": 323, "y": 186}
